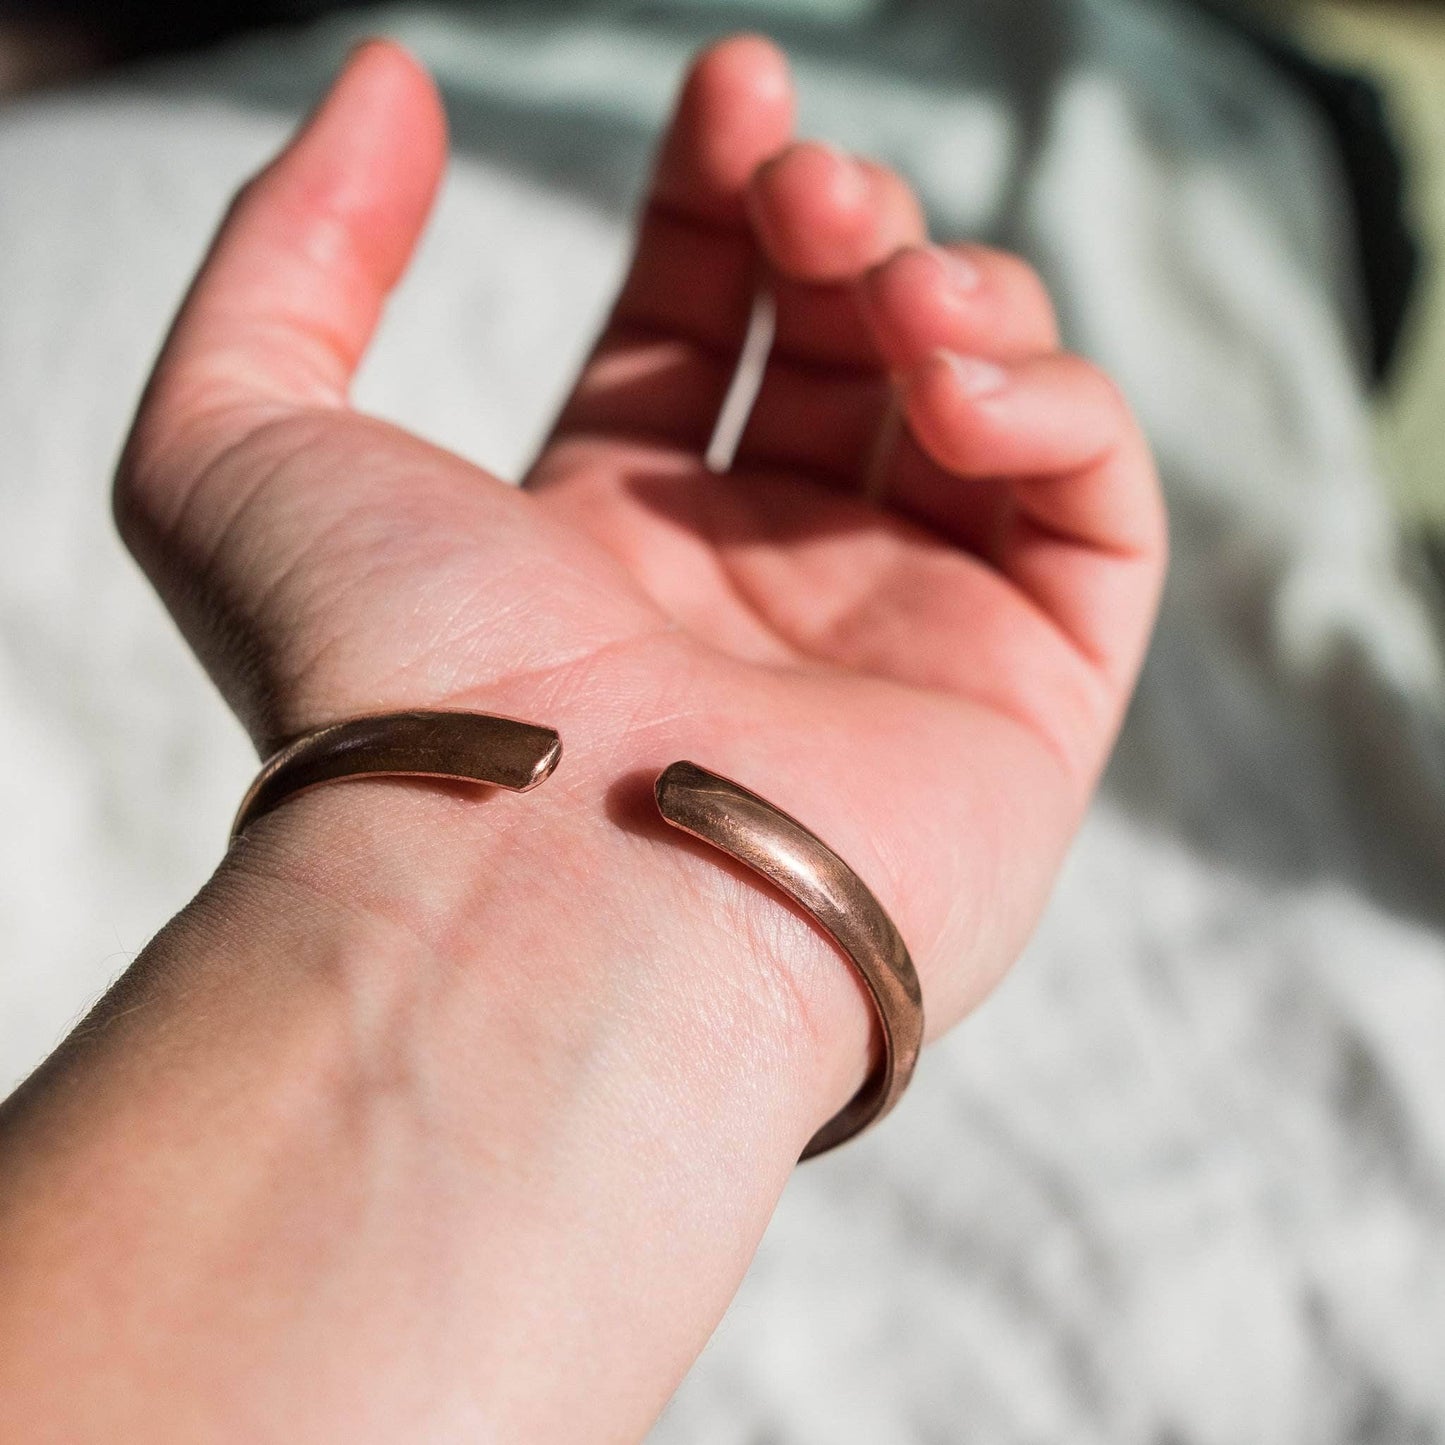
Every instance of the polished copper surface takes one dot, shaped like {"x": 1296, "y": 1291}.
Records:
{"x": 466, "y": 746}
{"x": 802, "y": 866}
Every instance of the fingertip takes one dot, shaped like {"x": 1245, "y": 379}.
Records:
{"x": 382, "y": 84}
{"x": 942, "y": 389}
{"x": 913, "y": 299}
{"x": 962, "y": 297}
{"x": 735, "y": 111}
{"x": 748, "y": 60}
{"x": 824, "y": 216}
{"x": 1041, "y": 416}
{"x": 379, "y": 55}
{"x": 370, "y": 157}
{"x": 913, "y": 274}
{"x": 802, "y": 203}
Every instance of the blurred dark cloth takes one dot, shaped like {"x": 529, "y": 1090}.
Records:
{"x": 131, "y": 28}
{"x": 1373, "y": 167}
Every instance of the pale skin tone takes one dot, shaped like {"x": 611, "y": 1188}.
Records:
{"x": 441, "y": 1116}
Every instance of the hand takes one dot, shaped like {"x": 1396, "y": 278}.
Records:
{"x": 931, "y": 684}
{"x": 453, "y": 1117}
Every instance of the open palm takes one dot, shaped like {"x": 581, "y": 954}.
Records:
{"x": 910, "y": 613}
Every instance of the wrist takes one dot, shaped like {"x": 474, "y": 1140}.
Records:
{"x": 578, "y": 910}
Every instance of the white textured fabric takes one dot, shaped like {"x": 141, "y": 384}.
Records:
{"x": 1183, "y": 1178}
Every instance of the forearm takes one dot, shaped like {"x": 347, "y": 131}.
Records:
{"x": 435, "y": 1115}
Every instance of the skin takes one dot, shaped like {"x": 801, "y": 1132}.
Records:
{"x": 440, "y": 1116}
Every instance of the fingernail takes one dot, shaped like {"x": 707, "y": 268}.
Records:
{"x": 962, "y": 273}
{"x": 975, "y": 376}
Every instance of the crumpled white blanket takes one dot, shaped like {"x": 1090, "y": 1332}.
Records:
{"x": 1183, "y": 1178}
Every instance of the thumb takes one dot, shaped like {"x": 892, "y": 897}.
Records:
{"x": 288, "y": 297}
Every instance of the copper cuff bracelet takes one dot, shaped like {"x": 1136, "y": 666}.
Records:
{"x": 472, "y": 747}
{"x": 802, "y": 866}
{"x": 481, "y": 748}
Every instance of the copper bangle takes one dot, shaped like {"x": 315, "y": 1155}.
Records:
{"x": 505, "y": 753}
{"x": 473, "y": 747}
{"x": 765, "y": 839}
